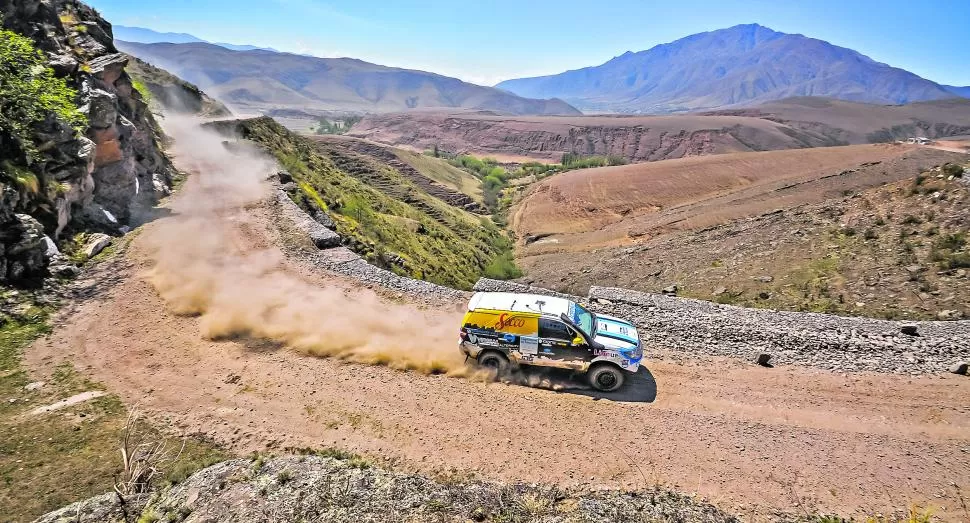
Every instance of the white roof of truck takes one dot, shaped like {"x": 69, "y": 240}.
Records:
{"x": 516, "y": 302}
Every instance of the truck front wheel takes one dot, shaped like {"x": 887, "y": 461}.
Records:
{"x": 605, "y": 377}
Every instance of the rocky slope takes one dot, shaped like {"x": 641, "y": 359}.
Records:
{"x": 108, "y": 177}
{"x": 738, "y": 66}
{"x": 256, "y": 82}
{"x": 311, "y": 488}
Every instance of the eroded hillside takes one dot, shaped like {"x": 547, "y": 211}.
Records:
{"x": 787, "y": 124}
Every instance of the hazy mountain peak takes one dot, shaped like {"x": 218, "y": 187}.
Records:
{"x": 261, "y": 81}
{"x": 143, "y": 35}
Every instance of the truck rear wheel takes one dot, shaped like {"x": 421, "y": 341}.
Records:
{"x": 494, "y": 361}
{"x": 605, "y": 377}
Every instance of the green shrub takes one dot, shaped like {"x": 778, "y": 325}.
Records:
{"x": 948, "y": 251}
{"x": 952, "y": 169}
{"x": 503, "y": 268}
{"x": 338, "y": 126}
{"x": 29, "y": 94}
{"x": 143, "y": 90}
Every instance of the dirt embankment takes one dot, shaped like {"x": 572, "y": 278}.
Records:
{"x": 751, "y": 439}
{"x": 637, "y": 139}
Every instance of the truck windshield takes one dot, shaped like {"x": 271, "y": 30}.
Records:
{"x": 584, "y": 319}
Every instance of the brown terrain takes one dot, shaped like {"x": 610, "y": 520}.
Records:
{"x": 751, "y": 439}
{"x": 786, "y": 124}
{"x": 864, "y": 123}
{"x": 619, "y": 206}
{"x": 849, "y": 230}
{"x": 637, "y": 138}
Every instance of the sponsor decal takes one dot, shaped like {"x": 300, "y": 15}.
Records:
{"x": 528, "y": 345}
{"x": 506, "y": 320}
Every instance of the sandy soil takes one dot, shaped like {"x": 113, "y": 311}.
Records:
{"x": 749, "y": 438}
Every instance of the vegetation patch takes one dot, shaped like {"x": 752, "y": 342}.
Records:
{"x": 384, "y": 216}
{"x": 30, "y": 97}
{"x": 336, "y": 126}
{"x": 53, "y": 459}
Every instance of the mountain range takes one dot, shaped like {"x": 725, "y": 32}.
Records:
{"x": 149, "y": 36}
{"x": 262, "y": 81}
{"x": 742, "y": 65}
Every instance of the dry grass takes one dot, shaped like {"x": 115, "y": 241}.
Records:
{"x": 55, "y": 459}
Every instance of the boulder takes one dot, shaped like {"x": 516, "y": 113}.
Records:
{"x": 961, "y": 367}
{"x": 95, "y": 244}
{"x": 949, "y": 315}
{"x": 763, "y": 359}
{"x": 158, "y": 183}
{"x": 102, "y": 109}
{"x": 31, "y": 236}
{"x": 909, "y": 329}
{"x": 321, "y": 236}
{"x": 915, "y": 269}
{"x": 109, "y": 68}
{"x": 23, "y": 251}
{"x": 670, "y": 290}
{"x": 50, "y": 248}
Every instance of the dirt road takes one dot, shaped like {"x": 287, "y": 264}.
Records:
{"x": 748, "y": 438}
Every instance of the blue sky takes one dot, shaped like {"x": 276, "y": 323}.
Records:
{"x": 493, "y": 40}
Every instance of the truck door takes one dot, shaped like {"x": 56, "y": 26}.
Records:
{"x": 557, "y": 342}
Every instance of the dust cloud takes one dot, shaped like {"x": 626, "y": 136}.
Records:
{"x": 206, "y": 264}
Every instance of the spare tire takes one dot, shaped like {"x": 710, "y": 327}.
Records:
{"x": 605, "y": 377}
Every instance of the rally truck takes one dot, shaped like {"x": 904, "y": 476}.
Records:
{"x": 503, "y": 329}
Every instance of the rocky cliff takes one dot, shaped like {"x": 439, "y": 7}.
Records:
{"x": 107, "y": 175}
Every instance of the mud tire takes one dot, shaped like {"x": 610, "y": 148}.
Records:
{"x": 605, "y": 377}
{"x": 494, "y": 361}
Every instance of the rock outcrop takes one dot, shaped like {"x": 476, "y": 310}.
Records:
{"x": 107, "y": 179}
{"x": 313, "y": 488}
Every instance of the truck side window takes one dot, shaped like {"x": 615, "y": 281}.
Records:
{"x": 549, "y": 328}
